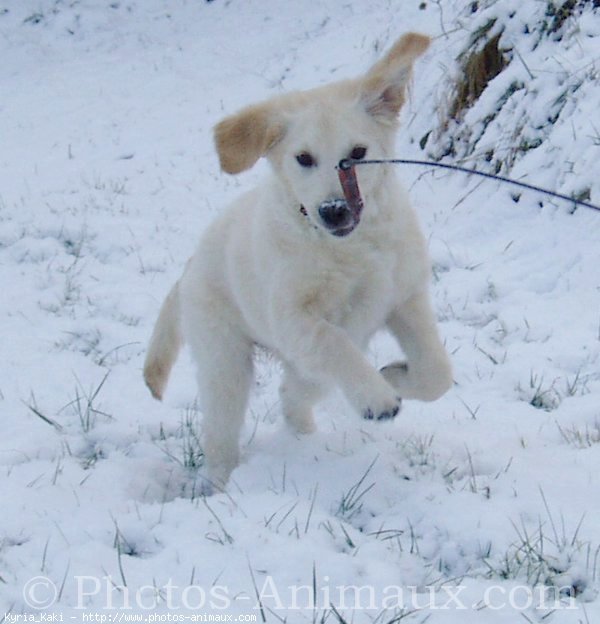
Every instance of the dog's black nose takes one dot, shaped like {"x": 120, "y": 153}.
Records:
{"x": 335, "y": 213}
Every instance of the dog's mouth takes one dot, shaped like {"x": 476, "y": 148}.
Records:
{"x": 344, "y": 231}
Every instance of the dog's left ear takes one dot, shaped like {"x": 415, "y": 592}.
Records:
{"x": 243, "y": 138}
{"x": 384, "y": 85}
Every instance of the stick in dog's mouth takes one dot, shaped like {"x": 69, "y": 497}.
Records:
{"x": 347, "y": 175}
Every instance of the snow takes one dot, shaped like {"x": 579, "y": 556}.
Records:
{"x": 108, "y": 176}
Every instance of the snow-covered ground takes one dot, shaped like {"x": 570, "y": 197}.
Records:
{"x": 461, "y": 510}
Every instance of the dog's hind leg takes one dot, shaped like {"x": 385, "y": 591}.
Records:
{"x": 225, "y": 372}
{"x": 298, "y": 395}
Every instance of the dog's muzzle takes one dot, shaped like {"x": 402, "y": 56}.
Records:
{"x": 344, "y": 214}
{"x": 337, "y": 217}
{"x": 341, "y": 215}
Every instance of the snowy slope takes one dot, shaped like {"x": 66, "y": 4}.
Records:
{"x": 107, "y": 177}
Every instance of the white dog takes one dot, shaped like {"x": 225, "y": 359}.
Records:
{"x": 292, "y": 267}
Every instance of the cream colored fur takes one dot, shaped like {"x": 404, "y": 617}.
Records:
{"x": 268, "y": 273}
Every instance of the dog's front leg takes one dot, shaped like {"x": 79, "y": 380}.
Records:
{"x": 298, "y": 395}
{"x": 427, "y": 374}
{"x": 323, "y": 352}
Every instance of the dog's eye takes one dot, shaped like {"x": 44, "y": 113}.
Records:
{"x": 305, "y": 159}
{"x": 358, "y": 153}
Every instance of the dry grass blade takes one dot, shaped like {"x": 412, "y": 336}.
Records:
{"x": 43, "y": 417}
{"x": 478, "y": 69}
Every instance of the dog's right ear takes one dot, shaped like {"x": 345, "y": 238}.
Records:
{"x": 383, "y": 87}
{"x": 246, "y": 136}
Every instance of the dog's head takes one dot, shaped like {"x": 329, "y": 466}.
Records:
{"x": 305, "y": 135}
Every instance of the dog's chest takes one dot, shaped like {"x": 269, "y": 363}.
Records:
{"x": 357, "y": 296}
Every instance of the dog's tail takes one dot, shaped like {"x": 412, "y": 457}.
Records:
{"x": 164, "y": 345}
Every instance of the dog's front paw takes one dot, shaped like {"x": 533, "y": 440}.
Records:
{"x": 387, "y": 413}
{"x": 374, "y": 398}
